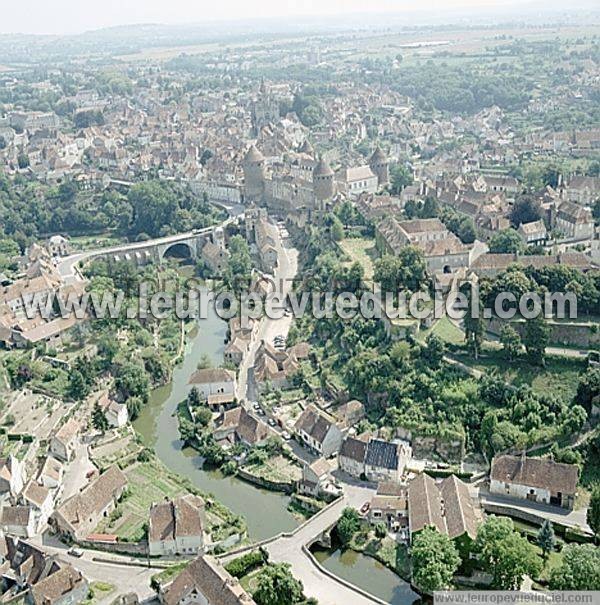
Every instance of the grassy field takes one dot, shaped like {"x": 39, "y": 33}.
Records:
{"x": 361, "y": 250}
{"x": 148, "y": 482}
{"x": 559, "y": 377}
{"x": 446, "y": 330}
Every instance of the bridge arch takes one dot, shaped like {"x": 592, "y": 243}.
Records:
{"x": 180, "y": 250}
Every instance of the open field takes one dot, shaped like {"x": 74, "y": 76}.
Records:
{"x": 148, "y": 482}
{"x": 361, "y": 250}
{"x": 559, "y": 377}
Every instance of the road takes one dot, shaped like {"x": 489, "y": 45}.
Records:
{"x": 326, "y": 588}
{"x": 287, "y": 267}
{"x": 75, "y": 477}
{"x": 574, "y": 518}
{"x": 125, "y": 578}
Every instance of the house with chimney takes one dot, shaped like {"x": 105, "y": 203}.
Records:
{"x": 77, "y": 517}
{"x": 176, "y": 527}
{"x": 535, "y": 479}
{"x": 204, "y": 582}
{"x": 318, "y": 431}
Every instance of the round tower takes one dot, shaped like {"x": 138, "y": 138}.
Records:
{"x": 254, "y": 175}
{"x": 323, "y": 181}
{"x": 380, "y": 166}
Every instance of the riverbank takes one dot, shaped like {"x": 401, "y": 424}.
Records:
{"x": 265, "y": 511}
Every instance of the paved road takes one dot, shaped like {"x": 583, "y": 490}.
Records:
{"x": 125, "y": 578}
{"x": 574, "y": 518}
{"x": 268, "y": 328}
{"x": 75, "y": 478}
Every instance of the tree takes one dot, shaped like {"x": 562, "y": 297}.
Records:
{"x": 435, "y": 560}
{"x": 348, "y": 525}
{"x": 193, "y": 397}
{"x": 337, "y": 229}
{"x": 536, "y": 339}
{"x": 545, "y": 538}
{"x": 380, "y": 530}
{"x": 99, "y": 418}
{"x": 588, "y": 388}
{"x": 434, "y": 350}
{"x": 507, "y": 241}
{"x": 406, "y": 271}
{"x": 526, "y": 209}
{"x": 134, "y": 407}
{"x": 132, "y": 381}
{"x": 400, "y": 177}
{"x": 505, "y": 554}
{"x": 511, "y": 342}
{"x": 277, "y": 586}
{"x": 578, "y": 570}
{"x": 474, "y": 328}
{"x": 77, "y": 387}
{"x": 593, "y": 512}
{"x": 23, "y": 160}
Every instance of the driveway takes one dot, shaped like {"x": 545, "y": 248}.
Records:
{"x": 75, "y": 473}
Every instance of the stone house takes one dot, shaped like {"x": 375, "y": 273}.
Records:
{"x": 385, "y": 461}
{"x": 352, "y": 455}
{"x": 535, "y": 479}
{"x": 447, "y": 505}
{"x": 18, "y": 520}
{"x": 213, "y": 381}
{"x": 318, "y": 432}
{"x": 64, "y": 442}
{"x": 176, "y": 527}
{"x": 51, "y": 473}
{"x": 204, "y": 582}
{"x": 356, "y": 180}
{"x": 12, "y": 475}
{"x": 533, "y": 233}
{"x": 40, "y": 499}
{"x": 78, "y": 516}
{"x": 315, "y": 477}
{"x": 574, "y": 221}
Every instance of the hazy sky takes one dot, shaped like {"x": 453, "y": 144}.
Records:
{"x": 73, "y": 16}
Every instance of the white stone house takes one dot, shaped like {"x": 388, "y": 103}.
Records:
{"x": 213, "y": 381}
{"x": 536, "y": 479}
{"x": 176, "y": 527}
{"x": 318, "y": 432}
{"x": 65, "y": 440}
{"x": 352, "y": 456}
{"x": 12, "y": 476}
{"x": 386, "y": 461}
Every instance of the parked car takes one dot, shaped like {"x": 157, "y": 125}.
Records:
{"x": 75, "y": 552}
{"x": 271, "y": 422}
{"x": 364, "y": 509}
{"x": 286, "y": 435}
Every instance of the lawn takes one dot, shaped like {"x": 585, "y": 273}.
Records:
{"x": 446, "y": 330}
{"x": 559, "y": 377}
{"x": 361, "y": 250}
{"x": 147, "y": 483}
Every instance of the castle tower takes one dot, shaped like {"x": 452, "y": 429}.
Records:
{"x": 380, "y": 166}
{"x": 323, "y": 181}
{"x": 254, "y": 175}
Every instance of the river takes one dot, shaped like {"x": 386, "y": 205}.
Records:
{"x": 369, "y": 574}
{"x": 265, "y": 512}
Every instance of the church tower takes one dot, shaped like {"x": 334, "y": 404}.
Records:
{"x": 380, "y": 166}
{"x": 254, "y": 175}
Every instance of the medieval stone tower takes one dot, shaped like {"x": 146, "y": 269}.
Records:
{"x": 380, "y": 166}
{"x": 254, "y": 175}
{"x": 323, "y": 182}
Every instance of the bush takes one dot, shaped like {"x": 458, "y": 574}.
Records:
{"x": 238, "y": 568}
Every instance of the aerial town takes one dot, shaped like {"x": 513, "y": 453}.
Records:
{"x": 300, "y": 457}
